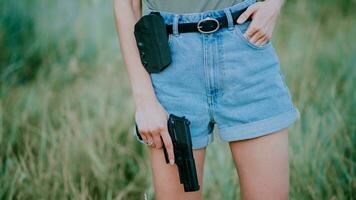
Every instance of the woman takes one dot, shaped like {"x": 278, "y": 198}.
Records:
{"x": 230, "y": 77}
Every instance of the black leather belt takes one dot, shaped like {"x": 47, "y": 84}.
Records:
{"x": 207, "y": 25}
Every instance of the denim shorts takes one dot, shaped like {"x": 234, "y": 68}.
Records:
{"x": 222, "y": 79}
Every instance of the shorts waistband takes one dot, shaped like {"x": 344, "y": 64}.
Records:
{"x": 171, "y": 18}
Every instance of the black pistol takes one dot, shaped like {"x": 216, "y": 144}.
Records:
{"x": 178, "y": 128}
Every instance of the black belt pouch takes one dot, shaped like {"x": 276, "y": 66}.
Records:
{"x": 152, "y": 42}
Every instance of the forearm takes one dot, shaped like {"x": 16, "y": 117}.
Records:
{"x": 127, "y": 13}
{"x": 137, "y": 8}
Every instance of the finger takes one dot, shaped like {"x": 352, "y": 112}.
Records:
{"x": 157, "y": 141}
{"x": 144, "y": 138}
{"x": 168, "y": 144}
{"x": 150, "y": 139}
{"x": 251, "y": 30}
{"x": 156, "y": 135}
{"x": 265, "y": 41}
{"x": 261, "y": 41}
{"x": 142, "y": 133}
{"x": 255, "y": 37}
{"x": 245, "y": 15}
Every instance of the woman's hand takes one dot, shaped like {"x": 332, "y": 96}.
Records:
{"x": 264, "y": 15}
{"x": 151, "y": 119}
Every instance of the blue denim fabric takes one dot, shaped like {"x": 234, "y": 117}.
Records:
{"x": 223, "y": 79}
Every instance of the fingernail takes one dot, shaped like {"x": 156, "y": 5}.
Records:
{"x": 171, "y": 161}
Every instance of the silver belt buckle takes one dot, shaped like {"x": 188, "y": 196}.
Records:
{"x": 208, "y": 20}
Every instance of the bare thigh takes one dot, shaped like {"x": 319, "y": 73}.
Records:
{"x": 262, "y": 165}
{"x": 166, "y": 177}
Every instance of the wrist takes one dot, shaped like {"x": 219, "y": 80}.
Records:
{"x": 142, "y": 89}
{"x": 143, "y": 98}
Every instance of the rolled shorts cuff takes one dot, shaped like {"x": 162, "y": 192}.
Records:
{"x": 259, "y": 128}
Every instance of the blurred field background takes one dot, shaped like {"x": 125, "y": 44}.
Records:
{"x": 66, "y": 111}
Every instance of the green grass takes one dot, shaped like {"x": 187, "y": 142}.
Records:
{"x": 66, "y": 110}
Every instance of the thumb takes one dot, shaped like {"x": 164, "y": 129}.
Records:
{"x": 245, "y": 15}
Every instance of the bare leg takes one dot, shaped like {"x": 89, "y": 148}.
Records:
{"x": 263, "y": 167}
{"x": 166, "y": 178}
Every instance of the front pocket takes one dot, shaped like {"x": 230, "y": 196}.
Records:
{"x": 240, "y": 29}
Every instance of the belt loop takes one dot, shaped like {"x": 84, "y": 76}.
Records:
{"x": 229, "y": 18}
{"x": 175, "y": 24}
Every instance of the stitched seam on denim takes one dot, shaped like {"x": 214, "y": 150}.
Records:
{"x": 206, "y": 77}
{"x": 213, "y": 75}
{"x": 221, "y": 62}
{"x": 215, "y": 66}
{"x": 206, "y": 74}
